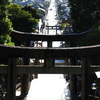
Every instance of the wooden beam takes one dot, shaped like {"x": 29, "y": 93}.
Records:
{"x": 11, "y": 80}
{"x": 85, "y": 78}
{"x": 3, "y": 69}
{"x": 33, "y": 52}
{"x": 68, "y": 69}
{"x": 24, "y": 36}
{"x": 94, "y": 69}
{"x": 52, "y": 70}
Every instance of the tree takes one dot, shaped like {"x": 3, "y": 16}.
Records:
{"x": 22, "y": 20}
{"x": 85, "y": 13}
{"x": 31, "y": 10}
{"x": 4, "y": 2}
{"x": 5, "y": 24}
{"x": 93, "y": 38}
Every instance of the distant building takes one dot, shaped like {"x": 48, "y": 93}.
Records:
{"x": 48, "y": 0}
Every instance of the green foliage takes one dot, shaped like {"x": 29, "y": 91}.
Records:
{"x": 22, "y": 20}
{"x": 93, "y": 38}
{"x": 5, "y": 23}
{"x": 10, "y": 44}
{"x": 4, "y": 2}
{"x": 85, "y": 13}
{"x": 6, "y": 40}
{"x": 2, "y": 12}
{"x": 63, "y": 25}
{"x": 5, "y": 26}
{"x": 33, "y": 12}
{"x": 14, "y": 15}
{"x": 13, "y": 9}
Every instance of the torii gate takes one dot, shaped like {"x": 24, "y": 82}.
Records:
{"x": 48, "y": 27}
{"x": 48, "y": 54}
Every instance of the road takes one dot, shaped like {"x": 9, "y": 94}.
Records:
{"x": 50, "y": 20}
{"x": 50, "y": 86}
{"x": 52, "y": 14}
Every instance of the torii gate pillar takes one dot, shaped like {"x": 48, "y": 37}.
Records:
{"x": 85, "y": 79}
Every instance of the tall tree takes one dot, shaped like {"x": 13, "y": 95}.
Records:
{"x": 93, "y": 38}
{"x": 84, "y": 13}
{"x": 22, "y": 20}
{"x": 32, "y": 11}
{"x": 5, "y": 23}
